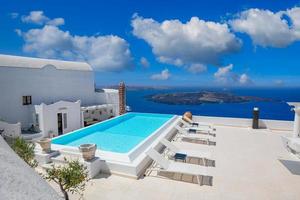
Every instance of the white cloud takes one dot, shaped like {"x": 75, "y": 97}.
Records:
{"x": 267, "y": 28}
{"x": 56, "y": 21}
{"x": 35, "y": 17}
{"x": 225, "y": 75}
{"x": 244, "y": 79}
{"x": 294, "y": 15}
{"x": 163, "y": 75}
{"x": 38, "y": 17}
{"x": 183, "y": 44}
{"x": 14, "y": 15}
{"x": 279, "y": 82}
{"x": 197, "y": 68}
{"x": 104, "y": 53}
{"x": 144, "y": 62}
{"x": 18, "y": 32}
{"x": 223, "y": 72}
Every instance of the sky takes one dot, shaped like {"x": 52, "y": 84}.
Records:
{"x": 220, "y": 43}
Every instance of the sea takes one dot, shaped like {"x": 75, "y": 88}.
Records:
{"x": 277, "y": 109}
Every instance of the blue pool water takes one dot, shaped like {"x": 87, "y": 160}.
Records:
{"x": 119, "y": 135}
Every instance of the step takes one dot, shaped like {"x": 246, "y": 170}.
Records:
{"x": 93, "y": 167}
{"x": 61, "y": 158}
{"x": 71, "y": 152}
{"x": 49, "y": 165}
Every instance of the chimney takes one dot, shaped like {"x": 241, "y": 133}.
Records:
{"x": 122, "y": 98}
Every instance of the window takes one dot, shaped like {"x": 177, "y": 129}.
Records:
{"x": 27, "y": 100}
{"x": 65, "y": 121}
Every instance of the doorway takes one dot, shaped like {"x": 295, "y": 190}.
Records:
{"x": 59, "y": 123}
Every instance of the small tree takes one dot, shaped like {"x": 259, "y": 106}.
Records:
{"x": 25, "y": 150}
{"x": 71, "y": 178}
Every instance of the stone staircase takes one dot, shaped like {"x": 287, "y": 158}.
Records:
{"x": 63, "y": 156}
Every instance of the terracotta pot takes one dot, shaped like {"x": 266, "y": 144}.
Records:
{"x": 45, "y": 143}
{"x": 188, "y": 115}
{"x": 88, "y": 151}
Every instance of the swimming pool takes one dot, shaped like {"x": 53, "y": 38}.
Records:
{"x": 120, "y": 134}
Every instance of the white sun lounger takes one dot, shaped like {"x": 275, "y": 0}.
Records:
{"x": 178, "y": 167}
{"x": 184, "y": 134}
{"x": 201, "y": 129}
{"x": 197, "y": 124}
{"x": 291, "y": 144}
{"x": 190, "y": 153}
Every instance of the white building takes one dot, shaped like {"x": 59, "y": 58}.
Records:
{"x": 50, "y": 93}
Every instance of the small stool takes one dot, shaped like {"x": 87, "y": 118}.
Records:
{"x": 180, "y": 156}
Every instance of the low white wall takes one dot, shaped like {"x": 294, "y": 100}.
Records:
{"x": 12, "y": 130}
{"x": 109, "y": 96}
{"x": 99, "y": 112}
{"x": 245, "y": 122}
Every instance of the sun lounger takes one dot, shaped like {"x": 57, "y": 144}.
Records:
{"x": 204, "y": 130}
{"x": 189, "y": 153}
{"x": 291, "y": 144}
{"x": 182, "y": 133}
{"x": 178, "y": 167}
{"x": 198, "y": 126}
{"x": 193, "y": 123}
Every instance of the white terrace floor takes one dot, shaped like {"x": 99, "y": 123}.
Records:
{"x": 249, "y": 165}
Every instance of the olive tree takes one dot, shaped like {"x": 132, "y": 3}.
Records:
{"x": 71, "y": 177}
{"x": 25, "y": 150}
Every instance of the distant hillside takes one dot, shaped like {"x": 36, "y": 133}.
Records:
{"x": 134, "y": 88}
{"x": 195, "y": 98}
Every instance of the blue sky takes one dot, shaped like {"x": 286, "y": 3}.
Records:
{"x": 186, "y": 43}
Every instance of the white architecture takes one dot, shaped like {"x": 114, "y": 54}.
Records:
{"x": 59, "y": 118}
{"x": 48, "y": 93}
{"x": 296, "y": 109}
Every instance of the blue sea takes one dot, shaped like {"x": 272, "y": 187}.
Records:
{"x": 277, "y": 109}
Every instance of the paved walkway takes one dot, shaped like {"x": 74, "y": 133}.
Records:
{"x": 250, "y": 164}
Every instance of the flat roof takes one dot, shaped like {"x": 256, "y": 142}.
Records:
{"x": 38, "y": 63}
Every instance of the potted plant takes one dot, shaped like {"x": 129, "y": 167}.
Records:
{"x": 52, "y": 134}
{"x": 45, "y": 143}
{"x": 88, "y": 151}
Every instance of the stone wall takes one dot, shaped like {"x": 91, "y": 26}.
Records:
{"x": 18, "y": 181}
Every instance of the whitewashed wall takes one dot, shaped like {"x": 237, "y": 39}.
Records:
{"x": 243, "y": 122}
{"x": 110, "y": 96}
{"x": 48, "y": 116}
{"x": 47, "y": 85}
{"x": 13, "y": 130}
{"x": 100, "y": 112}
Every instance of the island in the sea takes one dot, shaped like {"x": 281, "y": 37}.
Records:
{"x": 196, "y": 98}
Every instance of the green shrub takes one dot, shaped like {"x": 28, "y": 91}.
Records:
{"x": 25, "y": 150}
{"x": 71, "y": 177}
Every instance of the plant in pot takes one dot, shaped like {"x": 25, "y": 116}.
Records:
{"x": 88, "y": 151}
{"x": 45, "y": 143}
{"x": 52, "y": 134}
